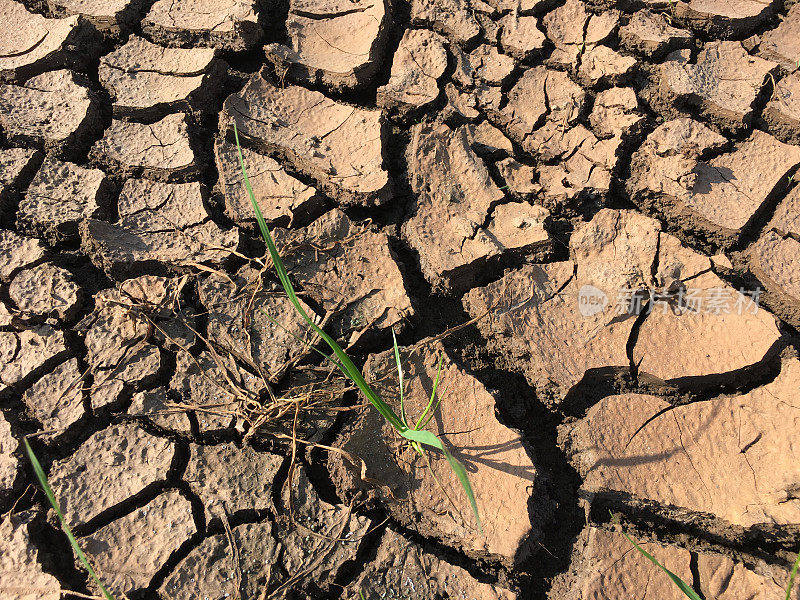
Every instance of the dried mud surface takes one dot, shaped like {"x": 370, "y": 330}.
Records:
{"x": 588, "y": 210}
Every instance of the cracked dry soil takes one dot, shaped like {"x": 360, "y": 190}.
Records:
{"x": 603, "y": 191}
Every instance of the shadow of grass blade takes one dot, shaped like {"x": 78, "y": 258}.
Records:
{"x": 37, "y": 468}
{"x": 682, "y": 585}
{"x": 792, "y": 577}
{"x": 345, "y": 364}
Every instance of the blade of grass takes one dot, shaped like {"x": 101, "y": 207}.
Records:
{"x": 433, "y": 394}
{"x": 792, "y": 577}
{"x": 682, "y": 585}
{"x": 400, "y": 378}
{"x": 345, "y": 364}
{"x": 37, "y": 468}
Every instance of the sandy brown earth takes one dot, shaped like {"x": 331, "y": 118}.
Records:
{"x": 587, "y": 209}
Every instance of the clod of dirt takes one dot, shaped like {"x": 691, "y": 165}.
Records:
{"x": 24, "y": 353}
{"x": 775, "y": 257}
{"x": 616, "y": 113}
{"x": 782, "y": 113}
{"x": 60, "y": 196}
{"x": 523, "y": 7}
{"x": 488, "y": 140}
{"x": 46, "y": 291}
{"x": 780, "y": 44}
{"x": 723, "y": 195}
{"x": 214, "y": 387}
{"x": 730, "y": 457}
{"x": 16, "y": 165}
{"x": 156, "y": 407}
{"x": 128, "y": 552}
{"x": 451, "y": 18}
{"x": 243, "y": 311}
{"x": 323, "y": 47}
{"x": 8, "y": 460}
{"x": 147, "y": 81}
{"x": 500, "y": 471}
{"x": 164, "y": 222}
{"x": 23, "y": 576}
{"x": 418, "y": 64}
{"x": 520, "y": 36}
{"x": 450, "y": 224}
{"x": 573, "y": 29}
{"x": 37, "y": 44}
{"x": 228, "y": 479}
{"x": 349, "y": 271}
{"x": 519, "y": 178}
{"x": 339, "y": 145}
{"x": 489, "y": 65}
{"x": 106, "y": 15}
{"x": 160, "y": 150}
{"x": 602, "y": 65}
{"x": 725, "y": 18}
{"x": 403, "y": 568}
{"x": 283, "y": 199}
{"x": 226, "y": 24}
{"x": 121, "y": 460}
{"x": 460, "y": 107}
{"x": 724, "y": 82}
{"x": 648, "y": 33}
{"x": 605, "y": 566}
{"x": 56, "y": 400}
{"x": 55, "y": 110}
{"x": 17, "y": 252}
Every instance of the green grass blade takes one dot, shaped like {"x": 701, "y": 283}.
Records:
{"x": 400, "y": 377}
{"x": 37, "y": 468}
{"x": 419, "y": 424}
{"x": 345, "y": 364}
{"x": 792, "y": 577}
{"x": 682, "y": 585}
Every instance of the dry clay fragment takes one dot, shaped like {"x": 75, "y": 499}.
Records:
{"x": 401, "y": 567}
{"x": 24, "y": 353}
{"x": 159, "y": 222}
{"x": 723, "y": 195}
{"x": 37, "y": 44}
{"x": 725, "y": 18}
{"x": 337, "y": 43}
{"x": 224, "y": 24}
{"x": 60, "y": 196}
{"x": 210, "y": 570}
{"x": 573, "y": 29}
{"x": 601, "y": 64}
{"x": 21, "y": 574}
{"x": 107, "y": 15}
{"x": 454, "y": 195}
{"x": 147, "y": 81}
{"x": 56, "y": 400}
{"x": 157, "y": 408}
{"x": 519, "y": 178}
{"x": 8, "y": 462}
{"x": 451, "y": 18}
{"x": 228, "y": 479}
{"x": 253, "y": 320}
{"x": 350, "y": 271}
{"x": 17, "y": 252}
{"x": 489, "y": 65}
{"x": 340, "y": 146}
{"x": 519, "y": 6}
{"x": 780, "y": 44}
{"x": 782, "y": 112}
{"x": 649, "y": 34}
{"x": 607, "y": 567}
{"x": 732, "y": 457}
{"x": 17, "y": 165}
{"x": 55, "y": 110}
{"x": 520, "y": 36}
{"x": 46, "y": 291}
{"x": 615, "y": 112}
{"x": 283, "y": 199}
{"x": 419, "y": 62}
{"x": 502, "y": 478}
{"x": 160, "y": 150}
{"x": 122, "y": 460}
{"x": 489, "y": 140}
{"x": 128, "y": 552}
{"x": 724, "y": 82}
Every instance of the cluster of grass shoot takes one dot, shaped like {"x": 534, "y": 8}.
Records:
{"x": 684, "y": 587}
{"x": 415, "y": 435}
